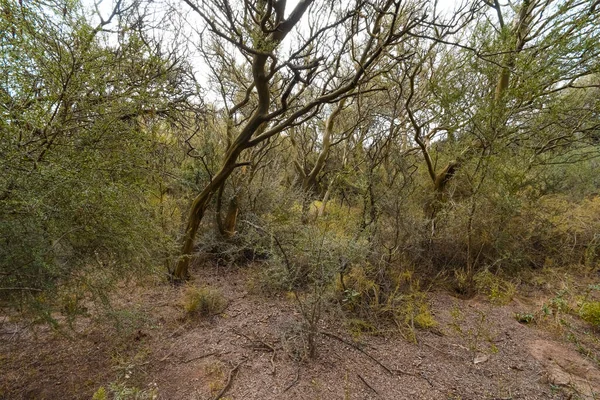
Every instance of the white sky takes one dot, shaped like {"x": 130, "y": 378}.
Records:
{"x": 202, "y": 71}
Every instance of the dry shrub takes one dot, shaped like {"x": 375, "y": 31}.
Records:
{"x": 373, "y": 305}
{"x": 557, "y": 232}
{"x": 510, "y": 234}
{"x": 497, "y": 289}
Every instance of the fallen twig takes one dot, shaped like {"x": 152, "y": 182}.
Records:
{"x": 200, "y": 356}
{"x": 331, "y": 335}
{"x": 273, "y": 362}
{"x": 257, "y": 343}
{"x": 390, "y": 371}
{"x": 260, "y": 345}
{"x": 422, "y": 375}
{"x": 366, "y": 383}
{"x": 232, "y": 373}
{"x": 294, "y": 382}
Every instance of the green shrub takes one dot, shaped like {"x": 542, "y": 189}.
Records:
{"x": 590, "y": 312}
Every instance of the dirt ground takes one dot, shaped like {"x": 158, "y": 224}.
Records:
{"x": 255, "y": 349}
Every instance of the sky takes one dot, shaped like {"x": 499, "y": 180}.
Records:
{"x": 105, "y": 7}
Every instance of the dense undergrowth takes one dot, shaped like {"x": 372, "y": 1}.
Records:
{"x": 436, "y": 175}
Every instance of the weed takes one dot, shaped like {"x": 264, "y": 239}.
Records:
{"x": 100, "y": 394}
{"x": 215, "y": 373}
{"x": 424, "y": 318}
{"x": 524, "y": 318}
{"x": 557, "y": 305}
{"x": 358, "y": 326}
{"x": 121, "y": 390}
{"x": 457, "y": 318}
{"x": 127, "y": 320}
{"x": 463, "y": 281}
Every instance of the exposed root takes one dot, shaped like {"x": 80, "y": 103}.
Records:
{"x": 260, "y": 345}
{"x": 232, "y": 374}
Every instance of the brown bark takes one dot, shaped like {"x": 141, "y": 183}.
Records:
{"x": 444, "y": 176}
{"x": 309, "y": 180}
{"x": 197, "y": 210}
{"x": 227, "y": 227}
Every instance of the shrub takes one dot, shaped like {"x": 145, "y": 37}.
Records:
{"x": 498, "y": 290}
{"x": 590, "y": 312}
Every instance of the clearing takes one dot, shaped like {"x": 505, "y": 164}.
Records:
{"x": 255, "y": 349}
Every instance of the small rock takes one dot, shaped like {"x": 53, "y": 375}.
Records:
{"x": 481, "y": 358}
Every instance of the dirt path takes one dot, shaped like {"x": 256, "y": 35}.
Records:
{"x": 255, "y": 350}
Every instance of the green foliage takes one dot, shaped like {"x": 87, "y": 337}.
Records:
{"x": 121, "y": 391}
{"x": 94, "y": 180}
{"x": 377, "y": 305}
{"x": 590, "y": 312}
{"x": 557, "y": 305}
{"x": 524, "y": 318}
{"x": 100, "y": 394}
{"x": 83, "y": 149}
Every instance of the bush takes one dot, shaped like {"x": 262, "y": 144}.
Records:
{"x": 590, "y": 312}
{"x": 498, "y": 290}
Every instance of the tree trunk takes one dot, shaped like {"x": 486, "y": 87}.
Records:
{"x": 198, "y": 208}
{"x": 321, "y": 210}
{"x": 231, "y": 217}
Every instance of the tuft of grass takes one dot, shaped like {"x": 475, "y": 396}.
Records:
{"x": 358, "y": 326}
{"x": 216, "y": 377}
{"x": 100, "y": 394}
{"x": 424, "y": 318}
{"x": 203, "y": 301}
{"x": 590, "y": 312}
{"x": 498, "y": 290}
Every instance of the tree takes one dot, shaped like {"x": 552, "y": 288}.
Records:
{"x": 80, "y": 121}
{"x": 326, "y": 62}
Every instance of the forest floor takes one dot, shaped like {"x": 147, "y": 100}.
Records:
{"x": 254, "y": 349}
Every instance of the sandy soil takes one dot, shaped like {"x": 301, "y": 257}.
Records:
{"x": 255, "y": 349}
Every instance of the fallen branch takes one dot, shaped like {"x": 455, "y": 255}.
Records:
{"x": 388, "y": 370}
{"x": 27, "y": 289}
{"x": 331, "y": 335}
{"x": 260, "y": 345}
{"x": 273, "y": 362}
{"x": 257, "y": 344}
{"x": 232, "y": 373}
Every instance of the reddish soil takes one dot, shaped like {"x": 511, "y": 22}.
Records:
{"x": 478, "y": 351}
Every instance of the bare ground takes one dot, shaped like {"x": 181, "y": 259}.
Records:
{"x": 256, "y": 349}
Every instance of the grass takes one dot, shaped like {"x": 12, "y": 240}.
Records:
{"x": 203, "y": 301}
